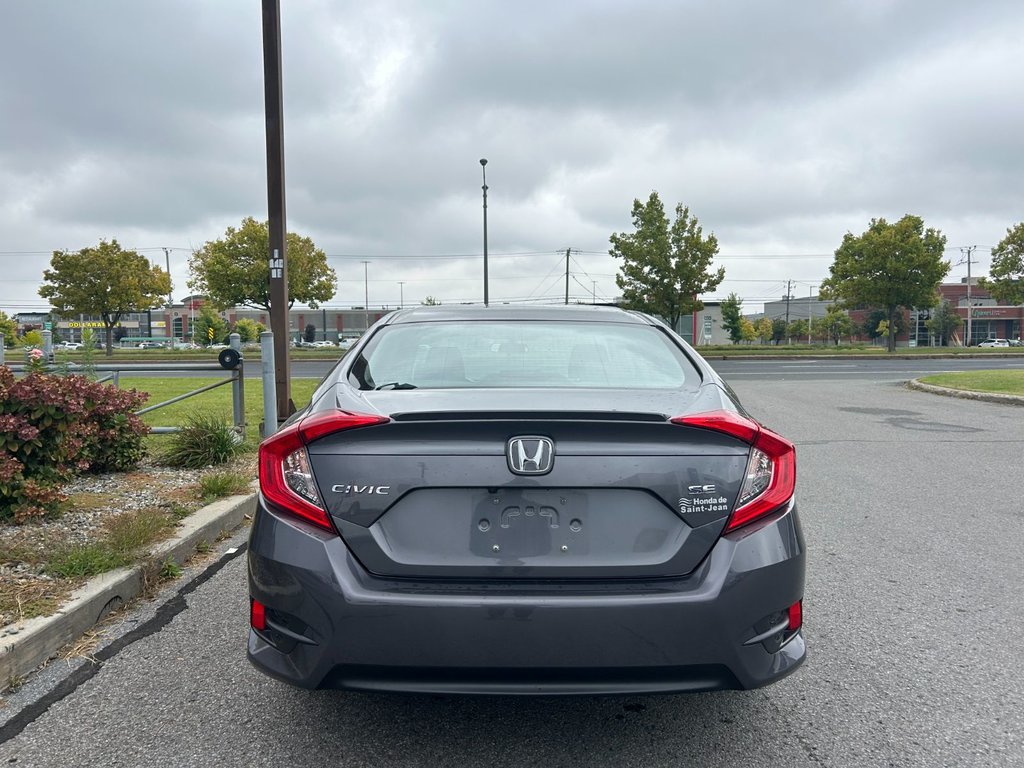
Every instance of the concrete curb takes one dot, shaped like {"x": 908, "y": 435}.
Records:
{"x": 989, "y": 397}
{"x": 27, "y": 644}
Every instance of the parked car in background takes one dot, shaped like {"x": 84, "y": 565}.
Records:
{"x": 994, "y": 343}
{"x": 525, "y": 500}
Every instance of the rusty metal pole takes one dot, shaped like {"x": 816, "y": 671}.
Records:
{"x": 278, "y": 255}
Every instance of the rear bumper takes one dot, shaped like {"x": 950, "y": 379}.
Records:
{"x": 332, "y": 624}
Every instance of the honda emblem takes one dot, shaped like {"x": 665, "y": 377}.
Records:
{"x": 530, "y": 455}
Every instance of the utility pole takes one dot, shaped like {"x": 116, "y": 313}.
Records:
{"x": 969, "y": 250}
{"x": 366, "y": 295}
{"x": 789, "y": 291}
{"x": 593, "y": 291}
{"x": 401, "y": 294}
{"x": 810, "y": 312}
{"x": 567, "y": 251}
{"x": 278, "y": 256}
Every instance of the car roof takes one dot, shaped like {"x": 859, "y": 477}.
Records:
{"x": 471, "y": 312}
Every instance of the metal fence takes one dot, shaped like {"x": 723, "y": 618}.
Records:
{"x": 230, "y": 363}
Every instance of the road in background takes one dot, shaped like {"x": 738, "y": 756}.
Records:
{"x": 840, "y": 369}
{"x": 821, "y": 368}
{"x": 913, "y": 520}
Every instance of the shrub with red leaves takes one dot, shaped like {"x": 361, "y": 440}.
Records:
{"x": 54, "y": 426}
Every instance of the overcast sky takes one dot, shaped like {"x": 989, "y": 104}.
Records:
{"x": 781, "y": 125}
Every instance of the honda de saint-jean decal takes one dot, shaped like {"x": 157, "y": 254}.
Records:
{"x": 530, "y": 455}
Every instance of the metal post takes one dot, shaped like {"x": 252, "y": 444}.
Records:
{"x": 238, "y": 385}
{"x": 274, "y": 109}
{"x": 269, "y": 401}
{"x": 483, "y": 167}
{"x": 48, "y": 345}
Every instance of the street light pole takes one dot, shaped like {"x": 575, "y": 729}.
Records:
{"x": 483, "y": 168}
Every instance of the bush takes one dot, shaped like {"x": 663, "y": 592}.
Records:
{"x": 204, "y": 440}
{"x": 54, "y": 426}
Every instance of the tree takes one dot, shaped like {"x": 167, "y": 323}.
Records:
{"x": 747, "y": 331}
{"x": 309, "y": 334}
{"x": 835, "y": 324}
{"x": 1006, "y": 274}
{"x": 764, "y": 329}
{"x": 105, "y": 281}
{"x": 731, "y": 318}
{"x": 248, "y": 329}
{"x": 665, "y": 268}
{"x": 431, "y": 301}
{"x": 8, "y": 330}
{"x": 944, "y": 322}
{"x": 778, "y": 330}
{"x": 208, "y": 320}
{"x": 797, "y": 329}
{"x": 235, "y": 270}
{"x": 31, "y": 338}
{"x": 891, "y": 266}
{"x": 874, "y": 321}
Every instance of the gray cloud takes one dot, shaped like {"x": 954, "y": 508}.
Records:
{"x": 782, "y": 127}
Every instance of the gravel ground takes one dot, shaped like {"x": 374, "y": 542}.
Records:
{"x": 93, "y": 501}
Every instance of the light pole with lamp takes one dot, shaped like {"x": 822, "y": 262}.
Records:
{"x": 483, "y": 168}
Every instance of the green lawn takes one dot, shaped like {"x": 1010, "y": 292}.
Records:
{"x": 176, "y": 355}
{"x": 217, "y": 401}
{"x": 1000, "y": 382}
{"x": 817, "y": 350}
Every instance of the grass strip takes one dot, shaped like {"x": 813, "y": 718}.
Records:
{"x": 995, "y": 382}
{"x": 215, "y": 403}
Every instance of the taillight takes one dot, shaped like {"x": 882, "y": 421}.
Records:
{"x": 257, "y": 614}
{"x": 795, "y": 616}
{"x": 286, "y": 478}
{"x": 770, "y": 478}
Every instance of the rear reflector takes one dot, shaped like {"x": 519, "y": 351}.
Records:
{"x": 257, "y": 615}
{"x": 286, "y": 479}
{"x": 770, "y": 478}
{"x": 796, "y": 616}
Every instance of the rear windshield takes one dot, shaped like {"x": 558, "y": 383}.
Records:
{"x": 519, "y": 354}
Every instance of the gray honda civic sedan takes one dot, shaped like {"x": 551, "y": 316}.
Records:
{"x": 525, "y": 500}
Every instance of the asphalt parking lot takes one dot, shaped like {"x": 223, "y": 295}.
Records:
{"x": 912, "y": 511}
